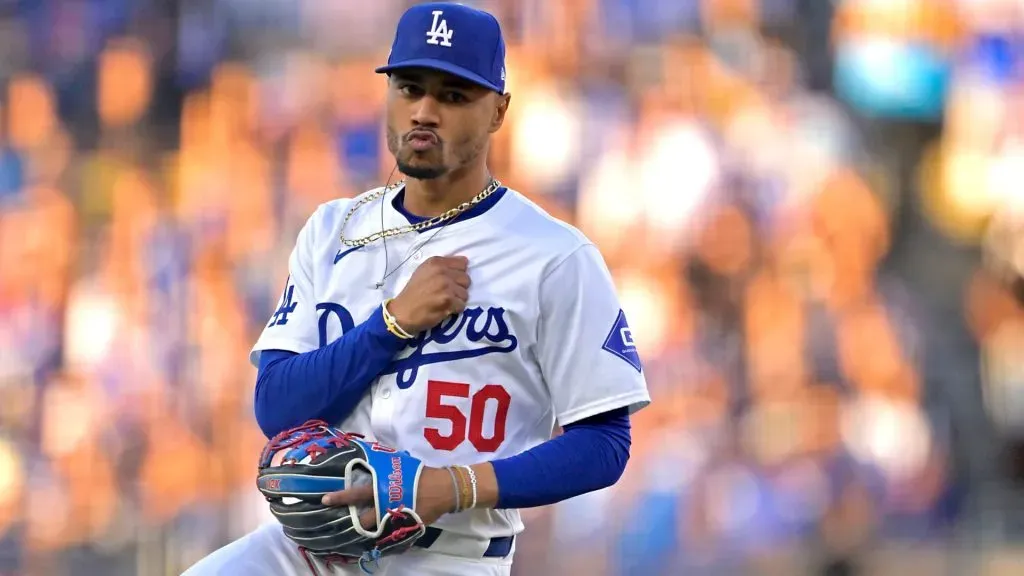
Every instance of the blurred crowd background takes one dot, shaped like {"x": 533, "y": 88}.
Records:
{"x": 808, "y": 206}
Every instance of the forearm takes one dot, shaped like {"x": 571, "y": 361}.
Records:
{"x": 326, "y": 383}
{"x": 589, "y": 456}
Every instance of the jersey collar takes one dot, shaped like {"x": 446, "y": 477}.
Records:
{"x": 398, "y": 203}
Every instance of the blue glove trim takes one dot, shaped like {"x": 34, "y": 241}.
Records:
{"x": 286, "y": 484}
{"x": 396, "y": 475}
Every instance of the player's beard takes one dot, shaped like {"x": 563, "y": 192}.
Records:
{"x": 404, "y": 155}
{"x": 465, "y": 152}
{"x": 421, "y": 172}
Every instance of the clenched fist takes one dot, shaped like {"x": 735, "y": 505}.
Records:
{"x": 437, "y": 289}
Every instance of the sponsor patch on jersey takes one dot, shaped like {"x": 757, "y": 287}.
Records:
{"x": 620, "y": 342}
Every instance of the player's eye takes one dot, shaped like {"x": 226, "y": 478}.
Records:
{"x": 411, "y": 90}
{"x": 456, "y": 97}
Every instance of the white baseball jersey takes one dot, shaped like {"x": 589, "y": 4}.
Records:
{"x": 543, "y": 339}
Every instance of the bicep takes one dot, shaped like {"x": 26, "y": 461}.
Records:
{"x": 617, "y": 418}
{"x": 270, "y": 357}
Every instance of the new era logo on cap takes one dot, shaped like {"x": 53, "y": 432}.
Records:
{"x": 453, "y": 38}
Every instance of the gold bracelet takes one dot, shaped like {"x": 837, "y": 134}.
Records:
{"x": 465, "y": 492}
{"x": 392, "y": 324}
{"x": 472, "y": 483}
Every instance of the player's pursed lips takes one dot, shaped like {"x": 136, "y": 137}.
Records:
{"x": 422, "y": 139}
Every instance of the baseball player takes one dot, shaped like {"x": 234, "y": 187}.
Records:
{"x": 450, "y": 317}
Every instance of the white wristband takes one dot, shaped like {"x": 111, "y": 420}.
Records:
{"x": 392, "y": 324}
{"x": 472, "y": 482}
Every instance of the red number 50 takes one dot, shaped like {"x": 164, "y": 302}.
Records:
{"x": 463, "y": 428}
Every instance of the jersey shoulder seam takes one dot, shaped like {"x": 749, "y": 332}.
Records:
{"x": 565, "y": 258}
{"x": 581, "y": 240}
{"x": 538, "y": 210}
{"x": 336, "y": 203}
{"x": 337, "y": 206}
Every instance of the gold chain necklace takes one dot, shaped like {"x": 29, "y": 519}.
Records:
{"x": 399, "y": 230}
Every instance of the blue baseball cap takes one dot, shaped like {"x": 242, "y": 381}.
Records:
{"x": 453, "y": 38}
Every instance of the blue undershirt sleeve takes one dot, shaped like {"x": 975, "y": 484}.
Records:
{"x": 326, "y": 383}
{"x": 589, "y": 455}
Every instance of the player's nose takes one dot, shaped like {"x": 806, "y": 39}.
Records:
{"x": 426, "y": 112}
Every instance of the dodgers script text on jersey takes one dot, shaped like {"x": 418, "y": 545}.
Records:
{"x": 543, "y": 339}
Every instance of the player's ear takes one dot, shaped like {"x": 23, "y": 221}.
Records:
{"x": 500, "y": 108}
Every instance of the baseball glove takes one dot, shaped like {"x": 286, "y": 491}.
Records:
{"x": 299, "y": 466}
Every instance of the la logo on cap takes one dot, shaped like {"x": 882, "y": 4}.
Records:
{"x": 439, "y": 34}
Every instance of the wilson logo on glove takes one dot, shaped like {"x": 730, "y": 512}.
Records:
{"x": 395, "y": 489}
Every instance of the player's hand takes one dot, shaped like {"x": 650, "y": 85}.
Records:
{"x": 438, "y": 288}
{"x": 435, "y": 497}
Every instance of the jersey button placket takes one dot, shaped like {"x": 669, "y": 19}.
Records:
{"x": 383, "y": 412}
{"x": 380, "y": 411}
{"x": 415, "y": 252}
{"x": 391, "y": 396}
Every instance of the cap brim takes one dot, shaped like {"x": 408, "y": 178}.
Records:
{"x": 442, "y": 66}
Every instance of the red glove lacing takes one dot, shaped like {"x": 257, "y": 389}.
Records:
{"x": 311, "y": 430}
